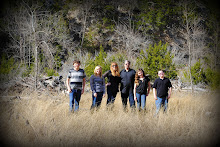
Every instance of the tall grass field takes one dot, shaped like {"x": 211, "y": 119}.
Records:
{"x": 44, "y": 120}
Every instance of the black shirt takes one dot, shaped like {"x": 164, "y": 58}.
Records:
{"x": 142, "y": 87}
{"x": 114, "y": 80}
{"x": 127, "y": 81}
{"x": 162, "y": 86}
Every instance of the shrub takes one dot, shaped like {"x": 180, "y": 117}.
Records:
{"x": 198, "y": 74}
{"x": 6, "y": 65}
{"x": 213, "y": 78}
{"x": 156, "y": 58}
{"x": 100, "y": 60}
{"x": 50, "y": 72}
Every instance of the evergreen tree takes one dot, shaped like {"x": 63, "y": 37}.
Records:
{"x": 156, "y": 58}
{"x": 100, "y": 60}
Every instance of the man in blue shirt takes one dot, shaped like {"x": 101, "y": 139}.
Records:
{"x": 127, "y": 85}
{"x": 160, "y": 90}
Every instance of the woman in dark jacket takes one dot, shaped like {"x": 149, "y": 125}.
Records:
{"x": 114, "y": 79}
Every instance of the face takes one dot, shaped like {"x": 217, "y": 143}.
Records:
{"x": 127, "y": 65}
{"x": 76, "y": 66}
{"x": 140, "y": 73}
{"x": 98, "y": 71}
{"x": 161, "y": 74}
{"x": 114, "y": 67}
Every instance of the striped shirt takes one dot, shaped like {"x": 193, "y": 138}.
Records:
{"x": 76, "y": 78}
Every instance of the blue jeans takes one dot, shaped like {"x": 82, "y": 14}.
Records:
{"x": 96, "y": 101}
{"x": 141, "y": 101}
{"x": 161, "y": 102}
{"x": 124, "y": 97}
{"x": 75, "y": 96}
{"x": 111, "y": 97}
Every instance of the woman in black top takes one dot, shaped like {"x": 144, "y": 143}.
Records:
{"x": 141, "y": 89}
{"x": 114, "y": 79}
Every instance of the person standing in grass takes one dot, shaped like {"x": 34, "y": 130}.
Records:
{"x": 97, "y": 84}
{"x": 114, "y": 79}
{"x": 141, "y": 89}
{"x": 162, "y": 89}
{"x": 75, "y": 84}
{"x": 127, "y": 85}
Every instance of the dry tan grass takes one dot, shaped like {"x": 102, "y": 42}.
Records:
{"x": 191, "y": 120}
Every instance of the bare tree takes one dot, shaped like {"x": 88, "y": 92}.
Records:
{"x": 193, "y": 33}
{"x": 33, "y": 30}
{"x": 86, "y": 7}
{"x": 132, "y": 42}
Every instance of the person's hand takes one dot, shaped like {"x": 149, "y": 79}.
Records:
{"x": 135, "y": 98}
{"x": 103, "y": 95}
{"x": 168, "y": 96}
{"x": 108, "y": 84}
{"x": 69, "y": 90}
{"x": 95, "y": 94}
{"x": 155, "y": 97}
{"x": 82, "y": 91}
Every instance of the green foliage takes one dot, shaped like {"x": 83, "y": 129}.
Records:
{"x": 50, "y": 72}
{"x": 198, "y": 74}
{"x": 156, "y": 58}
{"x": 100, "y": 60}
{"x": 213, "y": 78}
{"x": 28, "y": 70}
{"x": 57, "y": 56}
{"x": 6, "y": 65}
{"x": 155, "y": 16}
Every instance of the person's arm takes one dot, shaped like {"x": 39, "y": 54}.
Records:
{"x": 84, "y": 84}
{"x": 68, "y": 85}
{"x": 105, "y": 74}
{"x": 154, "y": 92}
{"x": 148, "y": 88}
{"x": 103, "y": 85}
{"x": 135, "y": 86}
{"x": 169, "y": 93}
{"x": 170, "y": 90}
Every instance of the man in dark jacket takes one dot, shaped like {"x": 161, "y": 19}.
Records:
{"x": 127, "y": 85}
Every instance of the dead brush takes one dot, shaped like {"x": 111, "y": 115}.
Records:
{"x": 43, "y": 120}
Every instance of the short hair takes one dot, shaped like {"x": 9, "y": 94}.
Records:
{"x": 161, "y": 70}
{"x": 76, "y": 61}
{"x": 127, "y": 61}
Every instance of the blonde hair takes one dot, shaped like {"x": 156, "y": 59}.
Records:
{"x": 97, "y": 67}
{"x": 114, "y": 72}
{"x": 138, "y": 77}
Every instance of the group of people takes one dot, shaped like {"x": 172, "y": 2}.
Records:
{"x": 134, "y": 86}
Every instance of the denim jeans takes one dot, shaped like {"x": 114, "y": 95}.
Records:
{"x": 96, "y": 101}
{"x": 75, "y": 96}
{"x": 111, "y": 97}
{"x": 124, "y": 97}
{"x": 161, "y": 102}
{"x": 141, "y": 101}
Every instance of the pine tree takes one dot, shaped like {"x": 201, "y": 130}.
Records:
{"x": 156, "y": 58}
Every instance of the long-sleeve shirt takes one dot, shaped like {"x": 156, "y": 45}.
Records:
{"x": 114, "y": 80}
{"x": 127, "y": 81}
{"x": 97, "y": 84}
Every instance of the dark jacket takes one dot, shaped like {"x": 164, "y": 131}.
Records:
{"x": 114, "y": 80}
{"x": 127, "y": 81}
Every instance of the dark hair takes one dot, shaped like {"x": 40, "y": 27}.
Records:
{"x": 76, "y": 61}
